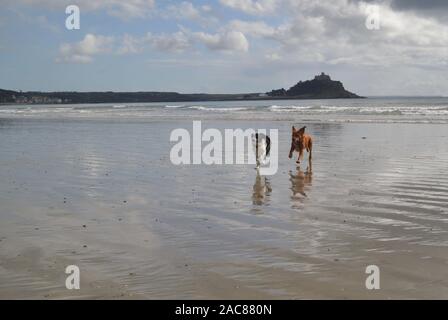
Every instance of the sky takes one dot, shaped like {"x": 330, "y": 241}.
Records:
{"x": 225, "y": 46}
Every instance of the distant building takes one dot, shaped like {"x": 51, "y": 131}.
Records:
{"x": 322, "y": 76}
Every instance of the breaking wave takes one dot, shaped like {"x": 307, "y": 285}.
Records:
{"x": 221, "y": 109}
{"x": 371, "y": 109}
{"x": 377, "y": 110}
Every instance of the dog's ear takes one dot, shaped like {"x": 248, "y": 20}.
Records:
{"x": 293, "y": 129}
{"x": 302, "y": 130}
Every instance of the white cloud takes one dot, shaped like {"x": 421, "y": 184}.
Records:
{"x": 303, "y": 34}
{"x": 202, "y": 15}
{"x": 174, "y": 42}
{"x": 184, "y": 10}
{"x": 229, "y": 41}
{"x": 131, "y": 45}
{"x": 177, "y": 42}
{"x": 273, "y": 56}
{"x": 130, "y": 8}
{"x": 83, "y": 51}
{"x": 254, "y": 7}
{"x": 335, "y": 33}
{"x": 206, "y": 8}
{"x": 124, "y": 9}
{"x": 253, "y": 28}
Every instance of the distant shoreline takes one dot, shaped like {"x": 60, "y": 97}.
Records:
{"x": 321, "y": 87}
{"x": 204, "y": 99}
{"x": 232, "y": 99}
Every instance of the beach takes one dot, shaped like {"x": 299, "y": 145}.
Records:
{"x": 98, "y": 190}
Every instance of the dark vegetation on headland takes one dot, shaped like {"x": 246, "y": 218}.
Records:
{"x": 321, "y": 87}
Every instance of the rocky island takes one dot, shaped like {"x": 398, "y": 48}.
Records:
{"x": 321, "y": 87}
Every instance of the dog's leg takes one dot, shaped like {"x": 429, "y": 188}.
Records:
{"x": 310, "y": 150}
{"x": 291, "y": 150}
{"x": 300, "y": 156}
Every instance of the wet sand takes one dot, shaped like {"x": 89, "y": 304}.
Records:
{"x": 103, "y": 195}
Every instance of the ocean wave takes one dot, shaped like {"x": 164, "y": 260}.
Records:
{"x": 289, "y": 108}
{"x": 174, "y": 106}
{"x": 221, "y": 109}
{"x": 97, "y": 107}
{"x": 340, "y": 110}
{"x": 363, "y": 110}
{"x": 8, "y": 111}
{"x": 277, "y": 108}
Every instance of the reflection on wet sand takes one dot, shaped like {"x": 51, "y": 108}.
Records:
{"x": 103, "y": 195}
{"x": 5, "y": 122}
{"x": 300, "y": 183}
{"x": 261, "y": 191}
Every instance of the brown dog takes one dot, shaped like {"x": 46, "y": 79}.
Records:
{"x": 300, "y": 142}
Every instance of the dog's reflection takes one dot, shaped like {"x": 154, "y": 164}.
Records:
{"x": 262, "y": 190}
{"x": 300, "y": 183}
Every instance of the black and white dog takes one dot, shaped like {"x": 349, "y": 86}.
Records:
{"x": 262, "y": 146}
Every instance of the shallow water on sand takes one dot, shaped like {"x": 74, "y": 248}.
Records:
{"x": 103, "y": 195}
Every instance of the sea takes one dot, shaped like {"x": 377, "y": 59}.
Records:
{"x": 373, "y": 109}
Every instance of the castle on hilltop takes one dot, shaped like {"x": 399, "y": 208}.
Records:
{"x": 322, "y": 76}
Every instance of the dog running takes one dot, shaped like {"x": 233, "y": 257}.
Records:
{"x": 262, "y": 146}
{"x": 300, "y": 142}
